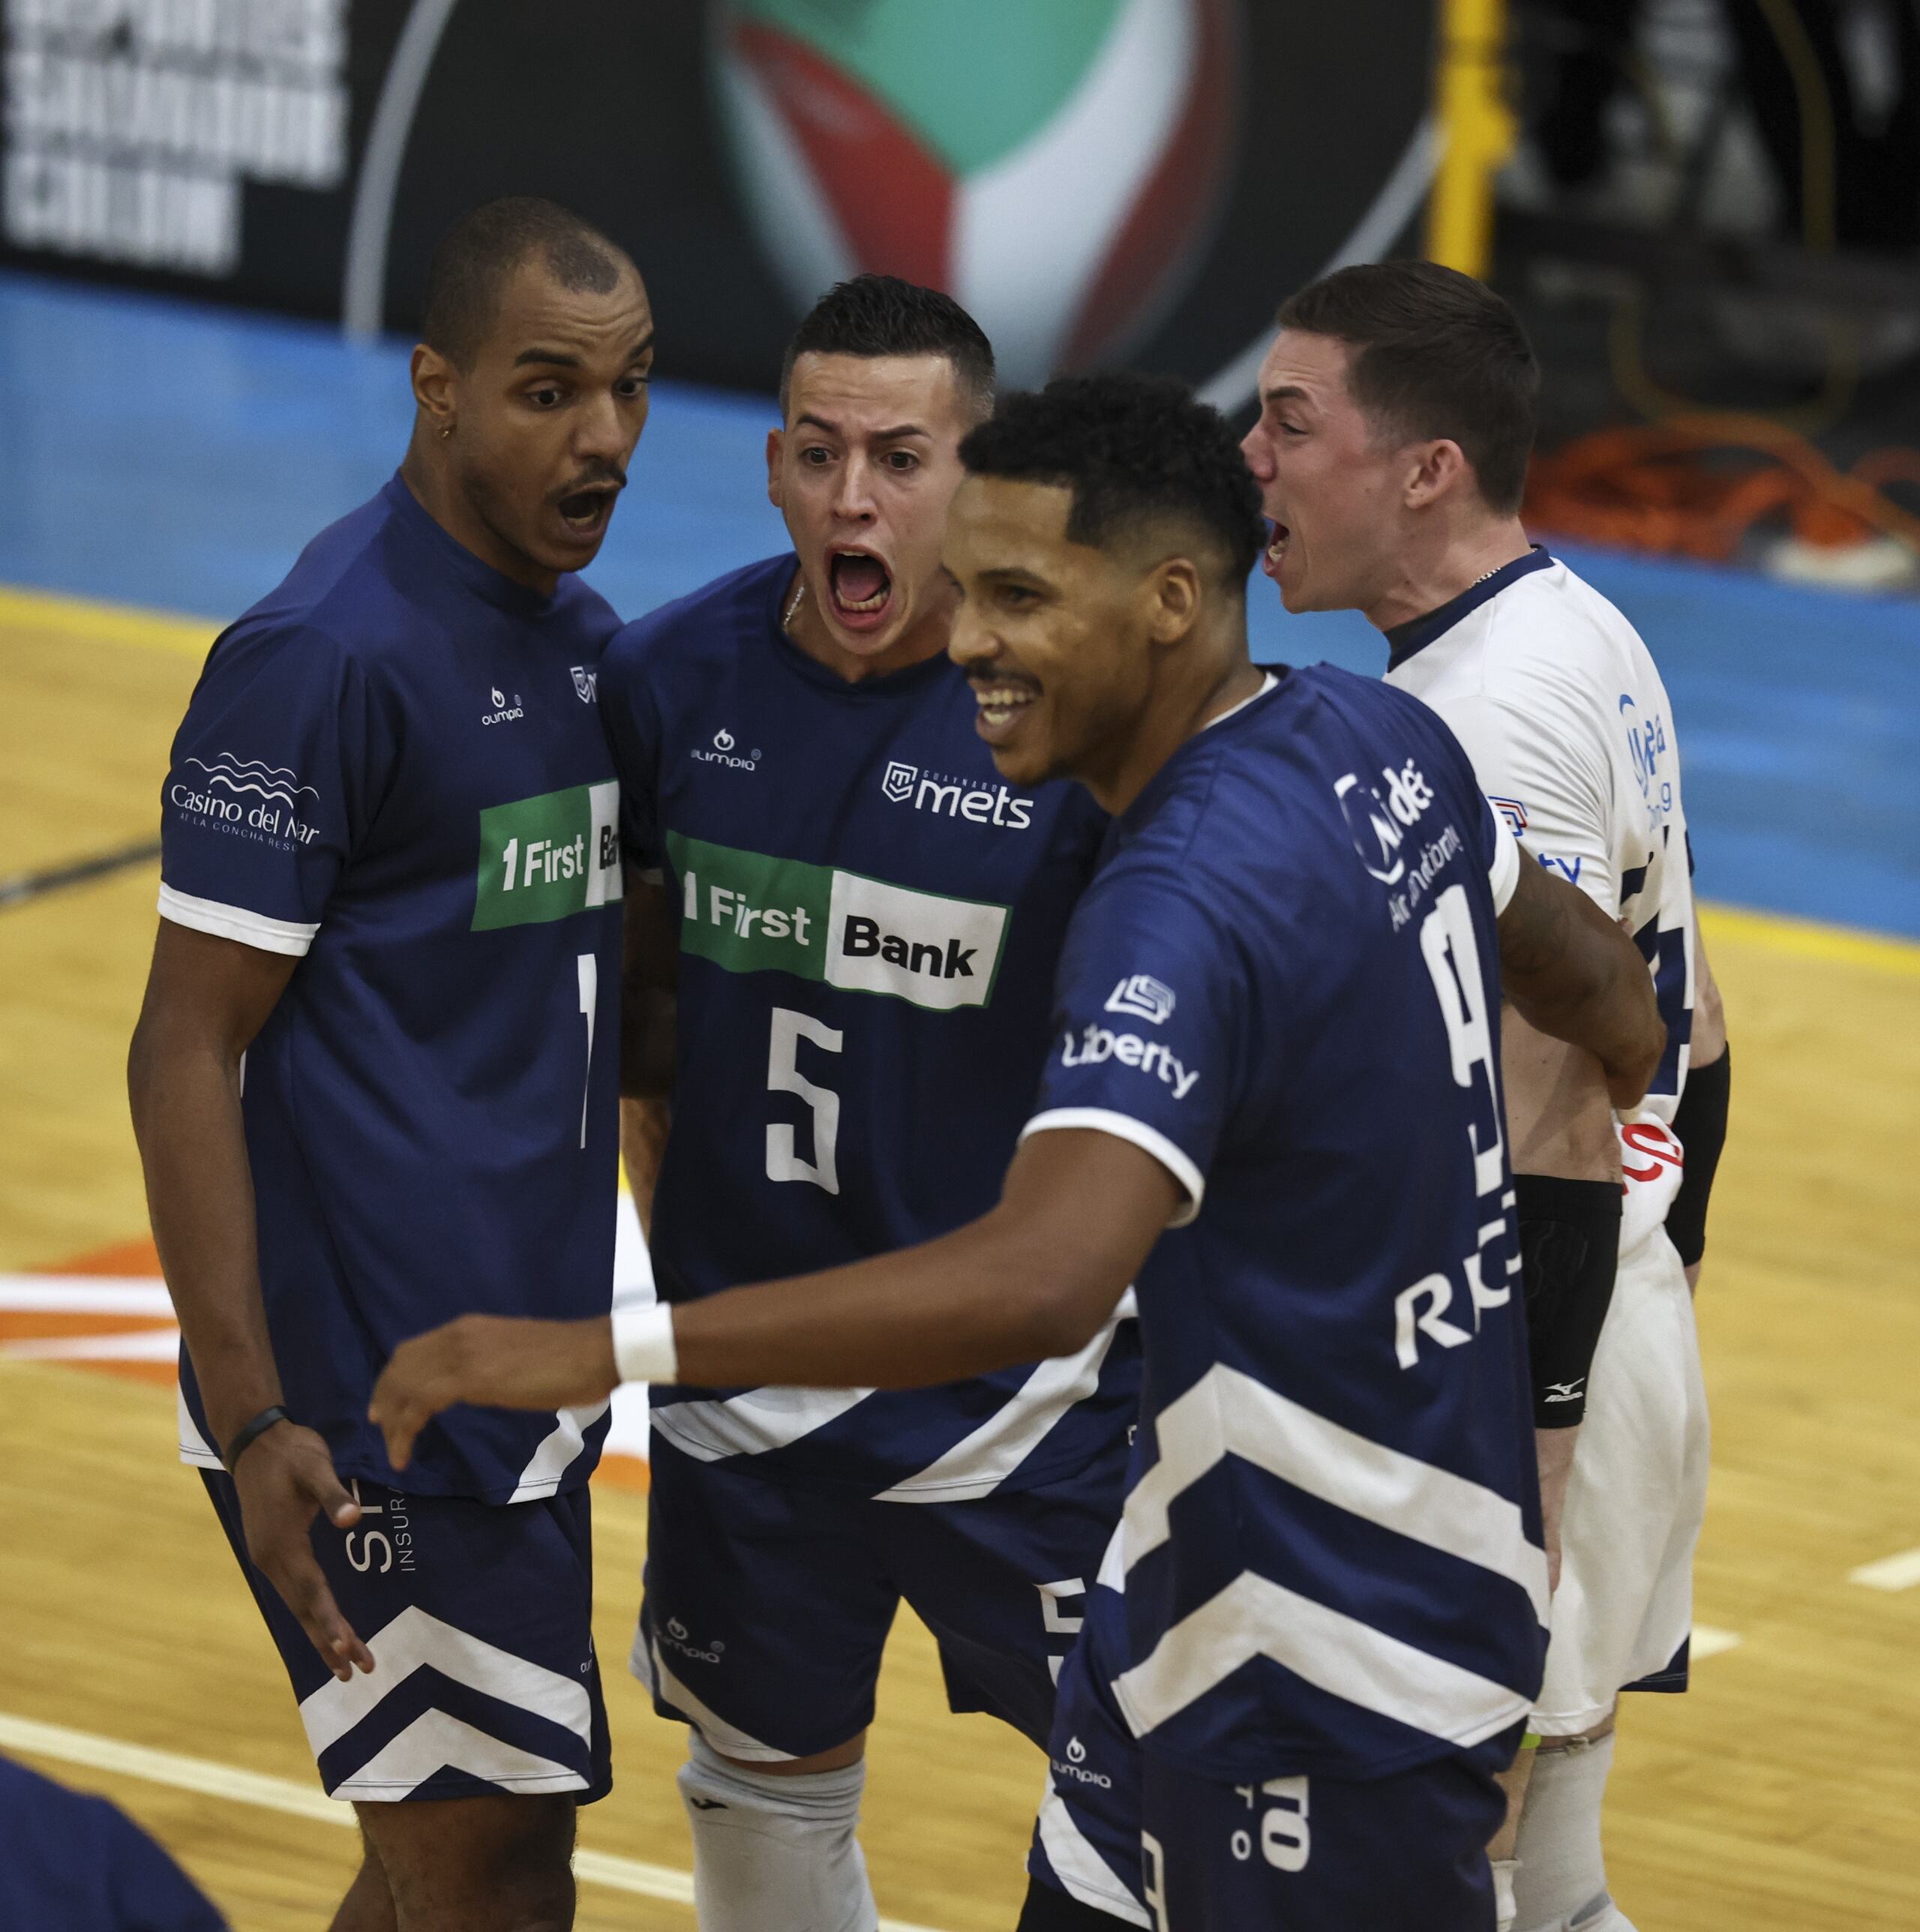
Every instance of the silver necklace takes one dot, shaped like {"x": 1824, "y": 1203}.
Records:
{"x": 793, "y": 605}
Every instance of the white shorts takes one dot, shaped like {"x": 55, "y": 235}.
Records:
{"x": 1635, "y": 1500}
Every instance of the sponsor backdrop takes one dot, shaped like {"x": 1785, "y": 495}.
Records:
{"x": 1098, "y": 180}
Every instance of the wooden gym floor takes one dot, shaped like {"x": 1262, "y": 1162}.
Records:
{"x": 1780, "y": 1796}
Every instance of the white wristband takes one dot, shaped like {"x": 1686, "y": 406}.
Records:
{"x": 643, "y": 1348}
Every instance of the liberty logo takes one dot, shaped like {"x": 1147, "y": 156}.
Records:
{"x": 1143, "y": 996}
{"x": 1513, "y": 812}
{"x": 897, "y": 782}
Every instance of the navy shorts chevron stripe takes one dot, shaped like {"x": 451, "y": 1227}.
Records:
{"x": 1150, "y": 1845}
{"x": 479, "y": 1618}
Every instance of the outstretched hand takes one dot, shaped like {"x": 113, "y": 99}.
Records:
{"x": 497, "y": 1362}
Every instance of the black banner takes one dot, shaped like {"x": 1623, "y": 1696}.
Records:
{"x": 1100, "y": 180}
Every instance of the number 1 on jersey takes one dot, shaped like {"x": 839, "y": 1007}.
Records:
{"x": 589, "y": 999}
{"x": 784, "y": 1076}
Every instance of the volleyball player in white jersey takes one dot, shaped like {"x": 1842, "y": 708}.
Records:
{"x": 1396, "y": 417}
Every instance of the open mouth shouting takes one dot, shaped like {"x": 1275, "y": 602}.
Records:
{"x": 585, "y": 512}
{"x": 859, "y": 588}
{"x": 1276, "y": 548}
{"x": 1003, "y": 700}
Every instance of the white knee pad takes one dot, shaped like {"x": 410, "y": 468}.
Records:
{"x": 775, "y": 1854}
{"x": 1560, "y": 1886}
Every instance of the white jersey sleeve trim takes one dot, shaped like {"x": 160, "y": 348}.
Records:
{"x": 195, "y": 1450}
{"x": 1124, "y": 1127}
{"x": 1504, "y": 874}
{"x": 256, "y": 929}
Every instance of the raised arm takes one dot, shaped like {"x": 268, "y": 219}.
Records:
{"x": 1036, "y": 1276}
{"x": 1572, "y": 972}
{"x": 206, "y": 999}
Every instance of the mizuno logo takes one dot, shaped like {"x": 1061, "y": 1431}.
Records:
{"x": 1571, "y": 1391}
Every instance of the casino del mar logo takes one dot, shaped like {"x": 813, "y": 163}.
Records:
{"x": 247, "y": 797}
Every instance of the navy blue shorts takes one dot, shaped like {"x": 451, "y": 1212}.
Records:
{"x": 1129, "y": 1834}
{"x": 479, "y": 1617}
{"x": 767, "y": 1605}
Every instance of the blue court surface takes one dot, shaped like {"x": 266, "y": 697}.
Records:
{"x": 174, "y": 457}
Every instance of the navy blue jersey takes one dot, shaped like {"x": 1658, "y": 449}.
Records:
{"x": 392, "y": 769}
{"x": 869, "y": 920}
{"x": 1284, "y": 984}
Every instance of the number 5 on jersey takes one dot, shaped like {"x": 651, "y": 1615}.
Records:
{"x": 784, "y": 1076}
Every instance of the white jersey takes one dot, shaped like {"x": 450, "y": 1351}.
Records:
{"x": 1559, "y": 704}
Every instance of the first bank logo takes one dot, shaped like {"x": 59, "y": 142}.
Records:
{"x": 723, "y": 753}
{"x": 503, "y": 713}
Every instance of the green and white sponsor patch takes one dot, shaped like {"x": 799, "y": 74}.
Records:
{"x": 548, "y": 857}
{"x": 751, "y": 914}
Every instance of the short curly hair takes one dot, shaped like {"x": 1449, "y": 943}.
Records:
{"x": 1132, "y": 449}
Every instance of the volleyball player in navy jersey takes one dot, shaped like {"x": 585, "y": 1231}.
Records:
{"x": 374, "y": 1080}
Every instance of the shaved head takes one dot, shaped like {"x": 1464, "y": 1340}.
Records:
{"x": 484, "y": 250}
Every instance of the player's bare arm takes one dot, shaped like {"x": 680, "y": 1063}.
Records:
{"x": 1035, "y": 1277}
{"x": 206, "y": 999}
{"x": 1571, "y": 973}
{"x": 649, "y": 1018}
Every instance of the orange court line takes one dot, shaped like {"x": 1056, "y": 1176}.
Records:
{"x": 138, "y": 1257}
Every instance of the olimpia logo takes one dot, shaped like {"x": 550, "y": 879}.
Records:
{"x": 751, "y": 914}
{"x": 1054, "y": 164}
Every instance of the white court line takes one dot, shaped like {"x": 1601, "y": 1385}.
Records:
{"x": 1709, "y": 1640}
{"x": 1890, "y": 1573}
{"x": 142, "y": 1344}
{"x": 302, "y": 1801}
{"x": 84, "y": 1294}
